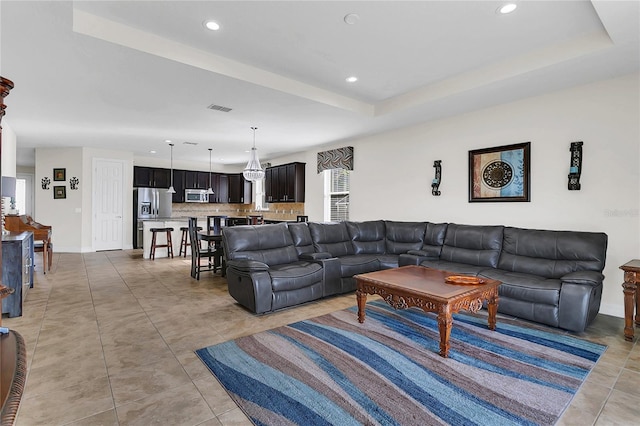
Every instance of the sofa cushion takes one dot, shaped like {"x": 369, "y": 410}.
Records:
{"x": 433, "y": 239}
{"x": 358, "y": 264}
{"x": 527, "y": 287}
{"x": 270, "y": 244}
{"x": 301, "y": 237}
{"x": 331, "y": 237}
{"x": 295, "y": 275}
{"x": 472, "y": 245}
{"x": 367, "y": 237}
{"x": 458, "y": 268}
{"x": 404, "y": 236}
{"x": 552, "y": 254}
{"x": 388, "y": 261}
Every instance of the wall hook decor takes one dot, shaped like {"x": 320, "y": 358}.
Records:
{"x": 73, "y": 183}
{"x": 435, "y": 184}
{"x": 45, "y": 182}
{"x": 575, "y": 166}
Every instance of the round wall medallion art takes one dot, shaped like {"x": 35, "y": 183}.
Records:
{"x": 497, "y": 174}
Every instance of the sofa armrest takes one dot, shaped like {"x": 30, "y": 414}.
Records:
{"x": 247, "y": 266}
{"x": 591, "y": 278}
{"x": 315, "y": 256}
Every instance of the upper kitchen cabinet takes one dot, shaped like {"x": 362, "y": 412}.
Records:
{"x": 285, "y": 183}
{"x": 179, "y": 181}
{"x": 239, "y": 189}
{"x": 197, "y": 180}
{"x": 151, "y": 177}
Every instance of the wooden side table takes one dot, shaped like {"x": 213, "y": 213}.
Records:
{"x": 631, "y": 296}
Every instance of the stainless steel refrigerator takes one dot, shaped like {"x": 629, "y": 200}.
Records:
{"x": 149, "y": 203}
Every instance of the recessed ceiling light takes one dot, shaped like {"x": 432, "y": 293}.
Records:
{"x": 507, "y": 8}
{"x": 352, "y": 79}
{"x": 351, "y": 18}
{"x": 167, "y": 140}
{"x": 152, "y": 152}
{"x": 211, "y": 25}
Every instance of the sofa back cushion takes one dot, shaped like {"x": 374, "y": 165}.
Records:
{"x": 367, "y": 237}
{"x": 552, "y": 254}
{"x": 471, "y": 244}
{"x": 404, "y": 236}
{"x": 301, "y": 237}
{"x": 271, "y": 244}
{"x": 331, "y": 237}
{"x": 434, "y": 239}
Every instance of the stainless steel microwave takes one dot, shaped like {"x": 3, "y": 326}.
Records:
{"x": 196, "y": 196}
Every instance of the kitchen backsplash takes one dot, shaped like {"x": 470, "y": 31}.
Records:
{"x": 277, "y": 211}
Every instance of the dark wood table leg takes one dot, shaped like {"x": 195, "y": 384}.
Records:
{"x": 445, "y": 321}
{"x": 361, "y": 296}
{"x": 630, "y": 301}
{"x": 492, "y": 307}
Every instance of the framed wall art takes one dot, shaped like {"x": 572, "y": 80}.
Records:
{"x": 500, "y": 173}
{"x": 59, "y": 174}
{"x": 59, "y": 192}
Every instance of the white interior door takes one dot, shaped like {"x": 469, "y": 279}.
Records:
{"x": 107, "y": 206}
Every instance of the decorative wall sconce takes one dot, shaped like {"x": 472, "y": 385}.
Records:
{"x": 45, "y": 182}
{"x": 73, "y": 183}
{"x": 435, "y": 184}
{"x": 575, "y": 166}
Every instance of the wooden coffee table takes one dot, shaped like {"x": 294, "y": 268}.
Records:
{"x": 426, "y": 288}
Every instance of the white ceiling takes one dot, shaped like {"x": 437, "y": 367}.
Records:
{"x": 128, "y": 75}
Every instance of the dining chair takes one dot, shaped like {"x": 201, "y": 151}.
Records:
{"x": 197, "y": 252}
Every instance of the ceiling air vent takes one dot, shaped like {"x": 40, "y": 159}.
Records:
{"x": 190, "y": 143}
{"x": 219, "y": 108}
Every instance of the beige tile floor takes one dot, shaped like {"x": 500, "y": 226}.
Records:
{"x": 110, "y": 340}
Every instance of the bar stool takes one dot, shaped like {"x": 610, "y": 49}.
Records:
{"x": 255, "y": 219}
{"x": 154, "y": 245}
{"x": 184, "y": 240}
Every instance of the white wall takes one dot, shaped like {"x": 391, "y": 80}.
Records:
{"x": 61, "y": 214}
{"x": 8, "y": 165}
{"x": 393, "y": 171}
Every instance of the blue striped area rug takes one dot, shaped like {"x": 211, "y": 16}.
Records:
{"x": 332, "y": 370}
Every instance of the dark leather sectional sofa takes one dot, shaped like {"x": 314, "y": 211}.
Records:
{"x": 551, "y": 277}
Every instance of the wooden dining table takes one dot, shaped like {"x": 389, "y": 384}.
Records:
{"x": 214, "y": 240}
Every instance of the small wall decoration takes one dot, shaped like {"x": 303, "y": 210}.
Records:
{"x": 575, "y": 166}
{"x": 59, "y": 174}
{"x": 435, "y": 184}
{"x": 73, "y": 183}
{"x": 500, "y": 173}
{"x": 59, "y": 192}
{"x": 45, "y": 182}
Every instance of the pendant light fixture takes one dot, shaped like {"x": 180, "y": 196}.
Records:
{"x": 171, "y": 190}
{"x": 210, "y": 190}
{"x": 253, "y": 171}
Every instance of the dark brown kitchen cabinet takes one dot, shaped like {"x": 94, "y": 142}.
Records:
{"x": 239, "y": 189}
{"x": 223, "y": 189}
{"x": 285, "y": 183}
{"x": 151, "y": 177}
{"x": 215, "y": 187}
{"x": 197, "y": 180}
{"x": 179, "y": 181}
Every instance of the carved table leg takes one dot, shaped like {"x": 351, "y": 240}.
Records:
{"x": 444, "y": 326}
{"x": 492, "y": 307}
{"x": 630, "y": 301}
{"x": 361, "y": 296}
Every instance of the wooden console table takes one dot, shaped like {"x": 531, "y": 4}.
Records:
{"x": 631, "y": 297}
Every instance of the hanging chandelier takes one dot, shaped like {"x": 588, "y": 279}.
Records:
{"x": 171, "y": 190}
{"x": 253, "y": 171}
{"x": 210, "y": 190}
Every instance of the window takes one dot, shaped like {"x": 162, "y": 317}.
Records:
{"x": 336, "y": 195}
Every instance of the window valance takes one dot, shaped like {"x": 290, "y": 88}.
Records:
{"x": 339, "y": 158}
